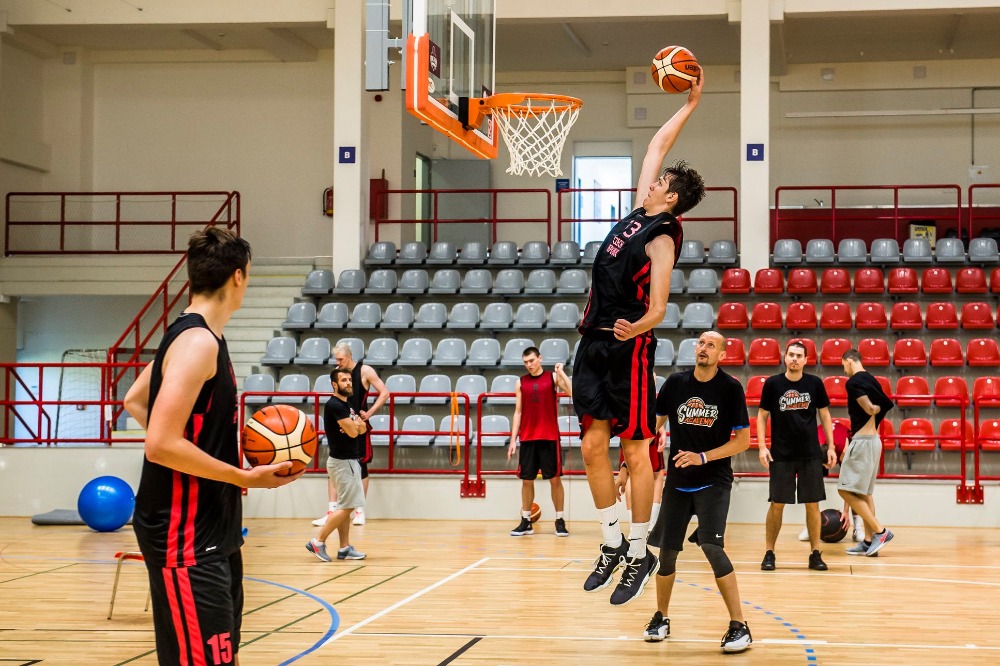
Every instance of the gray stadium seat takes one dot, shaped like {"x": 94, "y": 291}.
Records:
{"x": 412, "y": 253}
{"x": 415, "y": 351}
{"x": 677, "y": 281}
{"x": 450, "y": 351}
{"x": 295, "y": 383}
{"x": 664, "y": 355}
{"x": 477, "y": 281}
{"x": 698, "y": 316}
{"x": 332, "y": 315}
{"x": 495, "y": 423}
{"x": 351, "y": 281}
{"x": 380, "y": 424}
{"x": 445, "y": 281}
{"x": 431, "y": 315}
{"x": 540, "y": 281}
{"x": 565, "y": 252}
{"x": 983, "y": 251}
{"x": 692, "y": 252}
{"x": 416, "y": 423}
{"x": 433, "y": 384}
{"x": 365, "y": 315}
{"x": 473, "y": 385}
{"x": 442, "y": 252}
{"x": 382, "y": 253}
{"x": 503, "y": 253}
{"x": 573, "y": 281}
{"x": 381, "y": 281}
{"x": 672, "y": 318}
{"x": 318, "y": 283}
{"x": 401, "y": 383}
{"x": 554, "y": 350}
{"x": 503, "y": 384}
{"x": 279, "y": 351}
{"x": 509, "y": 281}
{"x": 852, "y": 251}
{"x": 703, "y": 281}
{"x": 535, "y": 252}
{"x": 529, "y": 316}
{"x": 356, "y": 345}
{"x": 447, "y": 426}
{"x": 590, "y": 251}
{"x": 313, "y": 351}
{"x": 483, "y": 353}
{"x": 398, "y": 315}
{"x": 569, "y": 430}
{"x": 464, "y": 315}
{"x": 885, "y": 251}
{"x": 564, "y": 316}
{"x": 413, "y": 281}
{"x": 819, "y": 251}
{"x": 659, "y": 380}
{"x": 258, "y": 383}
{"x": 497, "y": 316}
{"x": 949, "y": 251}
{"x": 722, "y": 252}
{"x": 300, "y": 316}
{"x": 512, "y": 352}
{"x": 685, "y": 353}
{"x": 323, "y": 384}
{"x": 787, "y": 251}
{"x": 382, "y": 351}
{"x": 473, "y": 252}
{"x": 917, "y": 251}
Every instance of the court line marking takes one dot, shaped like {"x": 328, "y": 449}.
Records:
{"x": 334, "y": 617}
{"x": 460, "y": 651}
{"x": 403, "y": 602}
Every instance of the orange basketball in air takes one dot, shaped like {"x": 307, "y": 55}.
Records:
{"x": 278, "y": 433}
{"x": 675, "y": 69}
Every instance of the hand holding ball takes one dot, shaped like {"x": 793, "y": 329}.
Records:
{"x": 278, "y": 433}
{"x": 675, "y": 69}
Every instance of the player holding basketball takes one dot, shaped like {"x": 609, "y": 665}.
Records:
{"x": 709, "y": 424}
{"x": 536, "y": 423}
{"x": 188, "y": 512}
{"x": 613, "y": 371}
{"x": 792, "y": 400}
{"x": 867, "y": 405}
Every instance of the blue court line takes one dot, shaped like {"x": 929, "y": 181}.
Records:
{"x": 334, "y": 617}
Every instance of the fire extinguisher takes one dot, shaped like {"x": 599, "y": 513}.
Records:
{"x": 328, "y": 202}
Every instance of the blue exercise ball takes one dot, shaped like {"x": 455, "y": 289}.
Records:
{"x": 106, "y": 503}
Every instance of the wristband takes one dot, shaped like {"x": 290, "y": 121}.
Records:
{"x": 704, "y": 458}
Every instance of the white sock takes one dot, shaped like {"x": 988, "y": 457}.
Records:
{"x": 559, "y": 515}
{"x": 628, "y": 515}
{"x": 654, "y": 512}
{"x": 317, "y": 542}
{"x": 637, "y": 539}
{"x": 333, "y": 506}
{"x": 609, "y": 526}
{"x": 526, "y": 514}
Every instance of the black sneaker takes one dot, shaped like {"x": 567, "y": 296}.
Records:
{"x": 816, "y": 561}
{"x": 737, "y": 638}
{"x": 609, "y": 560}
{"x": 636, "y": 574}
{"x": 561, "y": 530}
{"x": 657, "y": 629}
{"x": 768, "y": 563}
{"x": 523, "y": 528}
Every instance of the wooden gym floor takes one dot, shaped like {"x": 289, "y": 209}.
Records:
{"x": 466, "y": 593}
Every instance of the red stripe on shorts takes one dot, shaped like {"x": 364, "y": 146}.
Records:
{"x": 191, "y": 615}
{"x": 175, "y": 615}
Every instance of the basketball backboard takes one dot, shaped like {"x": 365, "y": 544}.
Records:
{"x": 450, "y": 60}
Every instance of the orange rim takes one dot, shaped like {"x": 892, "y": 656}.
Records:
{"x": 519, "y": 102}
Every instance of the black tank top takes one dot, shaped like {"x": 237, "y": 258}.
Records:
{"x": 620, "y": 278}
{"x": 182, "y": 520}
{"x": 359, "y": 401}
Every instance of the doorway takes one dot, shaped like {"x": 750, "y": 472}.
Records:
{"x": 599, "y": 211}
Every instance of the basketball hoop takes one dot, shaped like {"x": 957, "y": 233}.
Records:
{"x": 534, "y": 126}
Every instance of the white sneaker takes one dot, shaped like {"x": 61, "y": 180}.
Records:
{"x": 804, "y": 534}
{"x": 359, "y": 517}
{"x": 858, "y": 533}
{"x": 321, "y": 521}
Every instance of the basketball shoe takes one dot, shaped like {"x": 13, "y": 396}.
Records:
{"x": 350, "y": 553}
{"x": 321, "y": 521}
{"x": 607, "y": 562}
{"x": 768, "y": 563}
{"x": 637, "y": 572}
{"x": 657, "y": 629}
{"x": 737, "y": 638}
{"x": 561, "y": 530}
{"x": 858, "y": 533}
{"x": 523, "y": 528}
{"x": 319, "y": 550}
{"x": 860, "y": 549}
{"x": 359, "y": 517}
{"x": 816, "y": 561}
{"x": 878, "y": 541}
{"x": 804, "y": 534}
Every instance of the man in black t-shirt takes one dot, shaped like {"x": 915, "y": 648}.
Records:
{"x": 709, "y": 424}
{"x": 867, "y": 405}
{"x": 792, "y": 400}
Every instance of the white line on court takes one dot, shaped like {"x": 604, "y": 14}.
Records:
{"x": 415, "y": 595}
{"x": 873, "y": 562}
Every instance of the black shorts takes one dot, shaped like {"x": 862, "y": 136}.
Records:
{"x": 369, "y": 453}
{"x": 805, "y": 475}
{"x": 198, "y": 611}
{"x": 364, "y": 469}
{"x": 613, "y": 381}
{"x": 711, "y": 505}
{"x": 538, "y": 455}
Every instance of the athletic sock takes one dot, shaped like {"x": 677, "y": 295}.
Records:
{"x": 317, "y": 542}
{"x": 526, "y": 514}
{"x": 637, "y": 539}
{"x": 333, "y": 506}
{"x": 609, "y": 526}
{"x": 559, "y": 515}
{"x": 654, "y": 512}
{"x": 882, "y": 532}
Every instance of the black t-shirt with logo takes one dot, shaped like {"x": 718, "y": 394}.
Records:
{"x": 864, "y": 383}
{"x": 342, "y": 445}
{"x": 792, "y": 407}
{"x": 703, "y": 416}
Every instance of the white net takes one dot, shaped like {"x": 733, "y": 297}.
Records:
{"x": 76, "y": 422}
{"x": 534, "y": 128}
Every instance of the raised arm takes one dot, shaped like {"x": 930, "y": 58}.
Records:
{"x": 665, "y": 137}
{"x": 375, "y": 382}
{"x": 562, "y": 380}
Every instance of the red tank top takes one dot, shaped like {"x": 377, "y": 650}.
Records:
{"x": 539, "y": 412}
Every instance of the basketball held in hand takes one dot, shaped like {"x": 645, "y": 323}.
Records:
{"x": 675, "y": 69}
{"x": 278, "y": 433}
{"x": 831, "y": 530}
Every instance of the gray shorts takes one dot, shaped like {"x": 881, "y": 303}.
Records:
{"x": 346, "y": 477}
{"x": 860, "y": 465}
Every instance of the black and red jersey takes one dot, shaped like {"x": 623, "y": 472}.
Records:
{"x": 539, "y": 408}
{"x": 182, "y": 520}
{"x": 620, "y": 277}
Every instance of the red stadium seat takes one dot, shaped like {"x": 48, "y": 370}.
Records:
{"x": 735, "y": 281}
{"x": 886, "y": 433}
{"x": 870, "y": 316}
{"x": 941, "y": 316}
{"x": 735, "y": 352}
{"x": 801, "y": 281}
{"x": 950, "y": 435}
{"x": 913, "y": 428}
{"x": 764, "y": 351}
{"x": 754, "y": 443}
{"x": 903, "y": 281}
{"x": 989, "y": 435}
{"x": 835, "y": 316}
{"x": 936, "y": 281}
{"x": 874, "y": 352}
{"x": 909, "y": 353}
{"x": 883, "y": 381}
{"x": 982, "y": 352}
{"x": 971, "y": 281}
{"x": 800, "y": 317}
{"x": 835, "y": 281}
{"x": 986, "y": 391}
{"x": 906, "y": 317}
{"x": 995, "y": 281}
{"x": 913, "y": 385}
{"x": 769, "y": 281}
{"x": 976, "y": 316}
{"x": 732, "y": 316}
{"x": 869, "y": 281}
{"x": 765, "y": 316}
{"x": 836, "y": 390}
{"x": 946, "y": 353}
{"x": 810, "y": 349}
{"x": 833, "y": 350}
{"x": 754, "y": 386}
{"x": 950, "y": 391}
